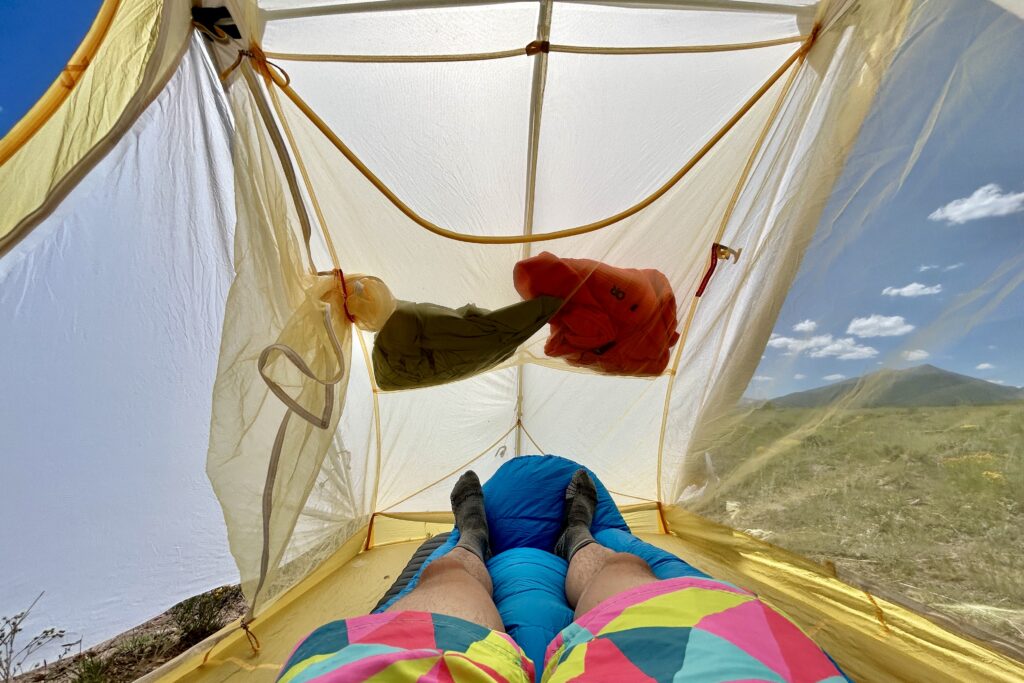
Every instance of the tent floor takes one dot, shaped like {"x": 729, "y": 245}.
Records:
{"x": 350, "y": 590}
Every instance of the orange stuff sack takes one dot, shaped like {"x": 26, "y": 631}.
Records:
{"x": 618, "y": 320}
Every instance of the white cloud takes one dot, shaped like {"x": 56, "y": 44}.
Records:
{"x": 794, "y": 347}
{"x": 953, "y": 267}
{"x": 799, "y": 376}
{"x": 913, "y": 289}
{"x": 805, "y": 326}
{"x": 997, "y": 381}
{"x": 925, "y": 269}
{"x": 987, "y": 200}
{"x": 823, "y": 346}
{"x": 983, "y": 366}
{"x": 763, "y": 378}
{"x": 879, "y": 326}
{"x": 845, "y": 349}
{"x": 834, "y": 378}
{"x": 916, "y": 354}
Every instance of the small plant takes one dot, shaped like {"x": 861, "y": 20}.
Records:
{"x": 201, "y": 615}
{"x": 89, "y": 669}
{"x": 146, "y": 645}
{"x": 12, "y": 657}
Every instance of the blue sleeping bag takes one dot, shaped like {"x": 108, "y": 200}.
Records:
{"x": 524, "y": 502}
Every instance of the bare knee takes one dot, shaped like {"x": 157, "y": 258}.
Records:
{"x": 626, "y": 563}
{"x": 442, "y": 569}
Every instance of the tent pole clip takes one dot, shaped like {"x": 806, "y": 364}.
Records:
{"x": 719, "y": 252}
{"x": 724, "y": 253}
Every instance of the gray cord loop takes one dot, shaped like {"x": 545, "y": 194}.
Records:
{"x": 321, "y": 422}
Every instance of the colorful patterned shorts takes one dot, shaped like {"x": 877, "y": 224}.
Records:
{"x": 393, "y": 647}
{"x": 686, "y": 629}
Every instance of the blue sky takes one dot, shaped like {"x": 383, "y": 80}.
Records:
{"x": 931, "y": 270}
{"x": 36, "y": 40}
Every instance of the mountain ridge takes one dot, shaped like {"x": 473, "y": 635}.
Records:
{"x": 920, "y": 385}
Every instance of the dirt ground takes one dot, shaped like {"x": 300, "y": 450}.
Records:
{"x": 140, "y": 650}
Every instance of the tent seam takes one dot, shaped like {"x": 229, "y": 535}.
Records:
{"x": 540, "y": 75}
{"x": 695, "y": 301}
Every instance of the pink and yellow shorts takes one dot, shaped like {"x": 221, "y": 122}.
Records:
{"x": 686, "y": 629}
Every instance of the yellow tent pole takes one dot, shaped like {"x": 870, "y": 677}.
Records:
{"x": 65, "y": 83}
{"x": 275, "y": 75}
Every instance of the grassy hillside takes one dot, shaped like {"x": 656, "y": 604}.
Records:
{"x": 928, "y": 502}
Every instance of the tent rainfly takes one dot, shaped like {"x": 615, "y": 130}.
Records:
{"x": 419, "y": 150}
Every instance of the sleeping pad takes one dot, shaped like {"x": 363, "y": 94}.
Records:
{"x": 529, "y": 581}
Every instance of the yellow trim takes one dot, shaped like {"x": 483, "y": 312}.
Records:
{"x": 395, "y": 59}
{"x": 378, "y": 439}
{"x": 47, "y": 105}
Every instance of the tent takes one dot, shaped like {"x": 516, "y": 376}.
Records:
{"x": 431, "y": 145}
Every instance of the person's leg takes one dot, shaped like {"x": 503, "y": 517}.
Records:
{"x": 458, "y": 584}
{"x": 595, "y": 572}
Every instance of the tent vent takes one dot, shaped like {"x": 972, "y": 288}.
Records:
{"x": 217, "y": 21}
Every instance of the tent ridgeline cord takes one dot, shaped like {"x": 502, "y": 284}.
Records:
{"x": 276, "y": 75}
{"x": 530, "y": 50}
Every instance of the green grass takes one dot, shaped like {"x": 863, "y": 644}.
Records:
{"x": 90, "y": 670}
{"x": 928, "y": 502}
{"x": 146, "y": 646}
{"x": 202, "y": 615}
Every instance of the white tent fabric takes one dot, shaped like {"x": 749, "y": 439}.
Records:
{"x": 112, "y": 310}
{"x": 429, "y": 143}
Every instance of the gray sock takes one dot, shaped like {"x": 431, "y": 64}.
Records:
{"x": 580, "y": 505}
{"x": 468, "y": 506}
